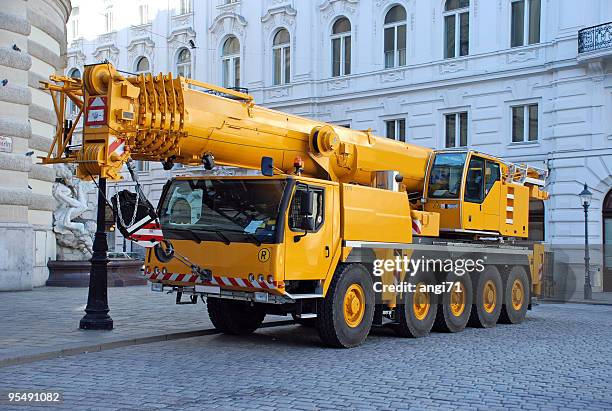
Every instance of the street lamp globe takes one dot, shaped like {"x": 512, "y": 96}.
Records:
{"x": 585, "y": 196}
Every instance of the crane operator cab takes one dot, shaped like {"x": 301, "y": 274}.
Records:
{"x": 475, "y": 193}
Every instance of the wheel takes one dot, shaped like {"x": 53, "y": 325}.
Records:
{"x": 417, "y": 311}
{"x": 234, "y": 317}
{"x": 488, "y": 293}
{"x": 516, "y": 296}
{"x": 454, "y": 311}
{"x": 345, "y": 314}
{"x": 305, "y": 322}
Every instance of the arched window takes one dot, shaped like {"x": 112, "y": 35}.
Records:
{"x": 456, "y": 28}
{"x": 72, "y": 108}
{"x": 142, "y": 65}
{"x": 607, "y": 240}
{"x": 341, "y": 47}
{"x": 183, "y": 63}
{"x": 230, "y": 62}
{"x": 395, "y": 37}
{"x": 281, "y": 52}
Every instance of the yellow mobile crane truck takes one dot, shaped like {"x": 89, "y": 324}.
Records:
{"x": 313, "y": 233}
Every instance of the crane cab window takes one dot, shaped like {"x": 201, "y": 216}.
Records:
{"x": 445, "y": 175}
{"x": 297, "y": 211}
{"x": 474, "y": 181}
{"x": 492, "y": 175}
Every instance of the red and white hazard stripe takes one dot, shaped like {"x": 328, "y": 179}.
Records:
{"x": 416, "y": 227}
{"x": 216, "y": 280}
{"x": 116, "y": 146}
{"x": 149, "y": 235}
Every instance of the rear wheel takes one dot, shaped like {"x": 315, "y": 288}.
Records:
{"x": 417, "y": 311}
{"x": 345, "y": 315}
{"x": 234, "y": 317}
{"x": 516, "y": 296}
{"x": 454, "y": 310}
{"x": 488, "y": 293}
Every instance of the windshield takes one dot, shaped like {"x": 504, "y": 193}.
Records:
{"x": 445, "y": 175}
{"x": 225, "y": 210}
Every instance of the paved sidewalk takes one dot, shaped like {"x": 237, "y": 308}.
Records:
{"x": 44, "y": 322}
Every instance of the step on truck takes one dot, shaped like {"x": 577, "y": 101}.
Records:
{"x": 339, "y": 228}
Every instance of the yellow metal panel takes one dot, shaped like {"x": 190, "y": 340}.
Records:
{"x": 372, "y": 214}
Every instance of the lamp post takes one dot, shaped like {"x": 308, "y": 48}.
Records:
{"x": 96, "y": 312}
{"x": 585, "y": 198}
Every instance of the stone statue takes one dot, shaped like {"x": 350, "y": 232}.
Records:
{"x": 74, "y": 234}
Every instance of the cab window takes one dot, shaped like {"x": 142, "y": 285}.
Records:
{"x": 492, "y": 175}
{"x": 297, "y": 212}
{"x": 445, "y": 175}
{"x": 474, "y": 181}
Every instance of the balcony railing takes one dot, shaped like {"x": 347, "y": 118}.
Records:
{"x": 595, "y": 38}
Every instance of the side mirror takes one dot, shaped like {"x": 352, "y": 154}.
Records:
{"x": 267, "y": 166}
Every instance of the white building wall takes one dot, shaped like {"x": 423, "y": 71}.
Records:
{"x": 573, "y": 91}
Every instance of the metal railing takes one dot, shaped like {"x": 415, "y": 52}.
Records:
{"x": 595, "y": 38}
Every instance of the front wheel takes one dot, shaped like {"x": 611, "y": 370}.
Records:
{"x": 346, "y": 312}
{"x": 234, "y": 317}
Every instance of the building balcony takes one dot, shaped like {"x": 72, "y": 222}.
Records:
{"x": 595, "y": 42}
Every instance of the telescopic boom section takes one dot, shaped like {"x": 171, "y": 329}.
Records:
{"x": 161, "y": 118}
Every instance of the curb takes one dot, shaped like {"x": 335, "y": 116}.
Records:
{"x": 585, "y": 302}
{"x": 69, "y": 352}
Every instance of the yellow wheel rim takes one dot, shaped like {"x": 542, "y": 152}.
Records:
{"x": 354, "y": 305}
{"x": 420, "y": 302}
{"x": 518, "y": 294}
{"x": 457, "y": 299}
{"x": 489, "y": 296}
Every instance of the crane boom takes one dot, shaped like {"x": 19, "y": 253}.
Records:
{"x": 160, "y": 118}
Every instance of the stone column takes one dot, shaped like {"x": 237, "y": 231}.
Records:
{"x": 32, "y": 46}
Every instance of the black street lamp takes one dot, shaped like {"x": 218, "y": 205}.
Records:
{"x": 585, "y": 199}
{"x": 96, "y": 313}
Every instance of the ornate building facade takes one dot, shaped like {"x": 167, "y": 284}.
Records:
{"x": 32, "y": 46}
{"x": 527, "y": 80}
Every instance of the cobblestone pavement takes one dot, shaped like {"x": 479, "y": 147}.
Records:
{"x": 560, "y": 357}
{"x": 47, "y": 319}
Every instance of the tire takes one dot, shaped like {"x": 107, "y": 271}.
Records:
{"x": 234, "y": 317}
{"x": 304, "y": 322}
{"x": 339, "y": 326}
{"x": 488, "y": 297}
{"x": 516, "y": 290}
{"x": 417, "y": 320}
{"x": 452, "y": 317}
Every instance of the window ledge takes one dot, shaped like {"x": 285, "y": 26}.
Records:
{"x": 523, "y": 144}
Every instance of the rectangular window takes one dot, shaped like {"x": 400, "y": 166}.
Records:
{"x": 142, "y": 166}
{"x": 277, "y": 66}
{"x": 287, "y": 51}
{"x": 449, "y": 29}
{"x": 184, "y": 6}
{"x": 525, "y": 123}
{"x": 456, "y": 130}
{"x": 143, "y": 11}
{"x": 464, "y": 34}
{"x": 396, "y": 129}
{"x": 525, "y": 22}
{"x": 236, "y": 72}
{"x": 347, "y": 55}
{"x": 336, "y": 57}
{"x": 401, "y": 45}
{"x": 389, "y": 47}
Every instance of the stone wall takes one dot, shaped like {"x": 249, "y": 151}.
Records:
{"x": 32, "y": 46}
